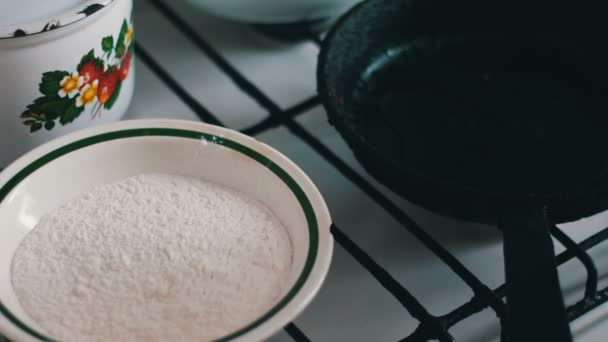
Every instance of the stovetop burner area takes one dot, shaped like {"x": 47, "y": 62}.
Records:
{"x": 400, "y": 272}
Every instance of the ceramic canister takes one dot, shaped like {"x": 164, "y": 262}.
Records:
{"x": 64, "y": 65}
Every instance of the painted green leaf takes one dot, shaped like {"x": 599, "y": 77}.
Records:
{"x": 114, "y": 97}
{"x": 88, "y": 57}
{"x": 30, "y": 114}
{"x": 107, "y": 43}
{"x": 50, "y": 82}
{"x": 49, "y": 125}
{"x": 71, "y": 113}
{"x": 45, "y": 110}
{"x": 99, "y": 63}
{"x": 49, "y": 107}
{"x": 120, "y": 42}
{"x": 35, "y": 127}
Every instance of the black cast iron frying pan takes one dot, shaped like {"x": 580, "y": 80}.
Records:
{"x": 493, "y": 112}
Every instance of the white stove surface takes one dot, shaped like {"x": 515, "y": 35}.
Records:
{"x": 352, "y": 306}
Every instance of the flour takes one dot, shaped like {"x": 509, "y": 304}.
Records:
{"x": 152, "y": 258}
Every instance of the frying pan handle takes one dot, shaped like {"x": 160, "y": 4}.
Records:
{"x": 535, "y": 305}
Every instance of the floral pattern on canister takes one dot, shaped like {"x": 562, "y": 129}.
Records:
{"x": 94, "y": 86}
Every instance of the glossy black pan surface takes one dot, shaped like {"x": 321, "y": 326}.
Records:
{"x": 492, "y": 111}
{"x": 474, "y": 99}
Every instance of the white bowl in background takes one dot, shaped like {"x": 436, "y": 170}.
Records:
{"x": 274, "y": 11}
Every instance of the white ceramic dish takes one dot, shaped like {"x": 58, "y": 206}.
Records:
{"x": 64, "y": 65}
{"x": 274, "y": 11}
{"x": 57, "y": 171}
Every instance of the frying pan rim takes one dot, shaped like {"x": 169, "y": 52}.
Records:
{"x": 581, "y": 192}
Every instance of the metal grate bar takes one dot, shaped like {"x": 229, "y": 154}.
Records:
{"x": 219, "y": 60}
{"x": 586, "y": 244}
{"x": 568, "y": 254}
{"x": 585, "y": 259}
{"x": 202, "y": 112}
{"x": 475, "y": 305}
{"x": 579, "y": 309}
{"x": 204, "y": 115}
{"x": 249, "y": 88}
{"x": 427, "y": 332}
{"x": 295, "y": 333}
{"x": 394, "y": 211}
{"x": 430, "y": 327}
{"x": 587, "y": 304}
{"x": 274, "y": 121}
{"x": 404, "y": 297}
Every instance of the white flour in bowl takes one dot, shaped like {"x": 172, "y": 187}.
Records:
{"x": 152, "y": 258}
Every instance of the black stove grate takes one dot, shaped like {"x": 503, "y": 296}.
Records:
{"x": 430, "y": 327}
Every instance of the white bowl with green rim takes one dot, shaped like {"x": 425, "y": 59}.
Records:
{"x": 52, "y": 174}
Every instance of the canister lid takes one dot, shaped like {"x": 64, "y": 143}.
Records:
{"x": 20, "y": 18}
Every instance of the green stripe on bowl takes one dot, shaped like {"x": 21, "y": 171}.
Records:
{"x": 180, "y": 133}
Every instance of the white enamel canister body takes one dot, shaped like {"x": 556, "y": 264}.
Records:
{"x": 64, "y": 74}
